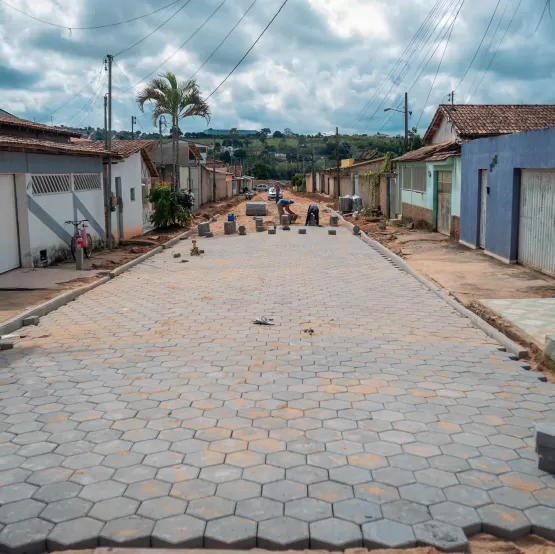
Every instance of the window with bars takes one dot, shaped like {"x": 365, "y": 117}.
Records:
{"x": 419, "y": 178}
{"x": 86, "y": 181}
{"x": 50, "y": 184}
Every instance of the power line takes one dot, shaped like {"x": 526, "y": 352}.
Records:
{"x": 184, "y": 44}
{"x": 479, "y": 46}
{"x": 98, "y": 95}
{"x": 547, "y": 5}
{"x": 440, "y": 63}
{"x": 95, "y": 92}
{"x": 225, "y": 38}
{"x": 248, "y": 51}
{"x": 152, "y": 32}
{"x": 75, "y": 95}
{"x": 92, "y": 26}
{"x": 487, "y": 50}
{"x": 497, "y": 50}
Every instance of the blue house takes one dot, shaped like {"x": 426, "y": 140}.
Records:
{"x": 508, "y": 196}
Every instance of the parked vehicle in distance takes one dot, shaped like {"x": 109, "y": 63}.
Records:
{"x": 272, "y": 194}
{"x": 262, "y": 187}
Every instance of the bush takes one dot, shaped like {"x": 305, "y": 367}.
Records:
{"x": 168, "y": 209}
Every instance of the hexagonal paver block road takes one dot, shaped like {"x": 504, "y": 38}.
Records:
{"x": 173, "y": 421}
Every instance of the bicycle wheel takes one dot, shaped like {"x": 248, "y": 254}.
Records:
{"x": 89, "y": 246}
{"x": 74, "y": 243}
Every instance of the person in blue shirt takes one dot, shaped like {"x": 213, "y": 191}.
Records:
{"x": 283, "y": 206}
{"x": 313, "y": 210}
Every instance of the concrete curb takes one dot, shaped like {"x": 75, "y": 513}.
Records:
{"x": 15, "y": 323}
{"x": 490, "y": 331}
{"x": 123, "y": 268}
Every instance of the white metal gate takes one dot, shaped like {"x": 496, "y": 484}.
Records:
{"x": 9, "y": 241}
{"x": 536, "y": 235}
{"x": 357, "y": 185}
{"x": 444, "y": 188}
{"x": 483, "y": 206}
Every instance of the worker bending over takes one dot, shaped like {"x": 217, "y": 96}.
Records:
{"x": 313, "y": 210}
{"x": 283, "y": 206}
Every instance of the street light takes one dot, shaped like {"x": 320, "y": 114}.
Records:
{"x": 407, "y": 113}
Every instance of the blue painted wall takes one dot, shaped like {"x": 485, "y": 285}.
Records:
{"x": 531, "y": 150}
{"x": 21, "y": 162}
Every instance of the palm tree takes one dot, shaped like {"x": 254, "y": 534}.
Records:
{"x": 178, "y": 99}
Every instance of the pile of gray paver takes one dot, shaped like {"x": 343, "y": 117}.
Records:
{"x": 257, "y": 208}
{"x": 545, "y": 446}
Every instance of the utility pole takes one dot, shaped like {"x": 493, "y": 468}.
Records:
{"x": 406, "y": 122}
{"x": 161, "y": 121}
{"x": 313, "y": 169}
{"x": 214, "y": 172}
{"x": 338, "y": 187}
{"x": 105, "y": 122}
{"x": 451, "y": 97}
{"x": 133, "y": 121}
{"x": 107, "y": 212}
{"x": 109, "y": 59}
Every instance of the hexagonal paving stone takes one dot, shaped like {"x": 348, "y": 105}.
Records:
{"x": 283, "y": 491}
{"x": 238, "y": 490}
{"x": 76, "y": 534}
{"x": 335, "y": 534}
{"x": 134, "y": 474}
{"x": 107, "y": 510}
{"x": 145, "y": 490}
{"x": 543, "y": 521}
{"x": 307, "y": 474}
{"x": 368, "y": 461}
{"x": 56, "y": 491}
{"x": 456, "y": 514}
{"x": 513, "y": 498}
{"x": 283, "y": 533}
{"x": 64, "y": 510}
{"x": 308, "y": 509}
{"x": 377, "y": 493}
{"x": 394, "y": 476}
{"x": 408, "y": 462}
{"x": 330, "y": 492}
{"x": 245, "y": 459}
{"x": 489, "y": 465}
{"x": 349, "y": 475}
{"x": 504, "y": 522}
{"x": 443, "y": 536}
{"x": 92, "y": 475}
{"x": 263, "y": 474}
{"x": 326, "y": 460}
{"x": 545, "y": 497}
{"x": 467, "y": 495}
{"x": 423, "y": 494}
{"x": 388, "y": 534}
{"x": 479, "y": 479}
{"x": 209, "y": 508}
{"x": 132, "y": 531}
{"x": 178, "y": 532}
{"x": 436, "y": 478}
{"x": 102, "y": 491}
{"x": 17, "y": 491}
{"x": 357, "y": 511}
{"x": 230, "y": 532}
{"x": 522, "y": 482}
{"x": 285, "y": 460}
{"x": 40, "y": 478}
{"x": 160, "y": 508}
{"x": 18, "y": 511}
{"x": 117, "y": 461}
{"x": 193, "y": 489}
{"x": 406, "y": 512}
{"x": 259, "y": 509}
{"x": 25, "y": 537}
{"x": 178, "y": 473}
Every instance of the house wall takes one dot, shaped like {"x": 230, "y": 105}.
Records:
{"x": 131, "y": 177}
{"x": 22, "y": 162}
{"x": 531, "y": 150}
{"x": 444, "y": 133}
{"x": 419, "y": 207}
{"x": 44, "y": 226}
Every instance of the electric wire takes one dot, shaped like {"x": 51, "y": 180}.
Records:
{"x": 440, "y": 63}
{"x": 91, "y": 26}
{"x": 154, "y": 31}
{"x": 479, "y": 46}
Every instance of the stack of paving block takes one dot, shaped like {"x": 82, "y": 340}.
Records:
{"x": 545, "y": 446}
{"x": 257, "y": 208}
{"x": 203, "y": 229}
{"x": 230, "y": 228}
{"x": 259, "y": 225}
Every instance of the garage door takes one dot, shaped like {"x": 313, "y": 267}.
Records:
{"x": 536, "y": 238}
{"x": 9, "y": 243}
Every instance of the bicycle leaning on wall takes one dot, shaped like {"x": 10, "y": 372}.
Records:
{"x": 81, "y": 238}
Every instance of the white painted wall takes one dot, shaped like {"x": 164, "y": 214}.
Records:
{"x": 131, "y": 177}
{"x": 445, "y": 132}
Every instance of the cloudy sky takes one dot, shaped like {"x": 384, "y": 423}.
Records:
{"x": 323, "y": 63}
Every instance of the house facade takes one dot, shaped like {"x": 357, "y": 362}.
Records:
{"x": 430, "y": 180}
{"x": 508, "y": 201}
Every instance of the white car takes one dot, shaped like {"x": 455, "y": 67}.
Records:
{"x": 272, "y": 194}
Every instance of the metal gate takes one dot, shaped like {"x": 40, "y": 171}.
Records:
{"x": 536, "y": 236}
{"x": 9, "y": 240}
{"x": 483, "y": 206}
{"x": 392, "y": 184}
{"x": 444, "y": 188}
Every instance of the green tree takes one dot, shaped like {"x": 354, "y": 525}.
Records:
{"x": 278, "y": 134}
{"x": 178, "y": 99}
{"x": 415, "y": 140}
{"x": 261, "y": 170}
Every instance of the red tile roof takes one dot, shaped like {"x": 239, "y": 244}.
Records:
{"x": 478, "y": 121}
{"x": 432, "y": 153}
{"x": 13, "y": 121}
{"x": 22, "y": 144}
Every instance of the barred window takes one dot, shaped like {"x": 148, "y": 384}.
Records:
{"x": 50, "y": 184}
{"x": 86, "y": 181}
{"x": 407, "y": 178}
{"x": 419, "y": 178}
